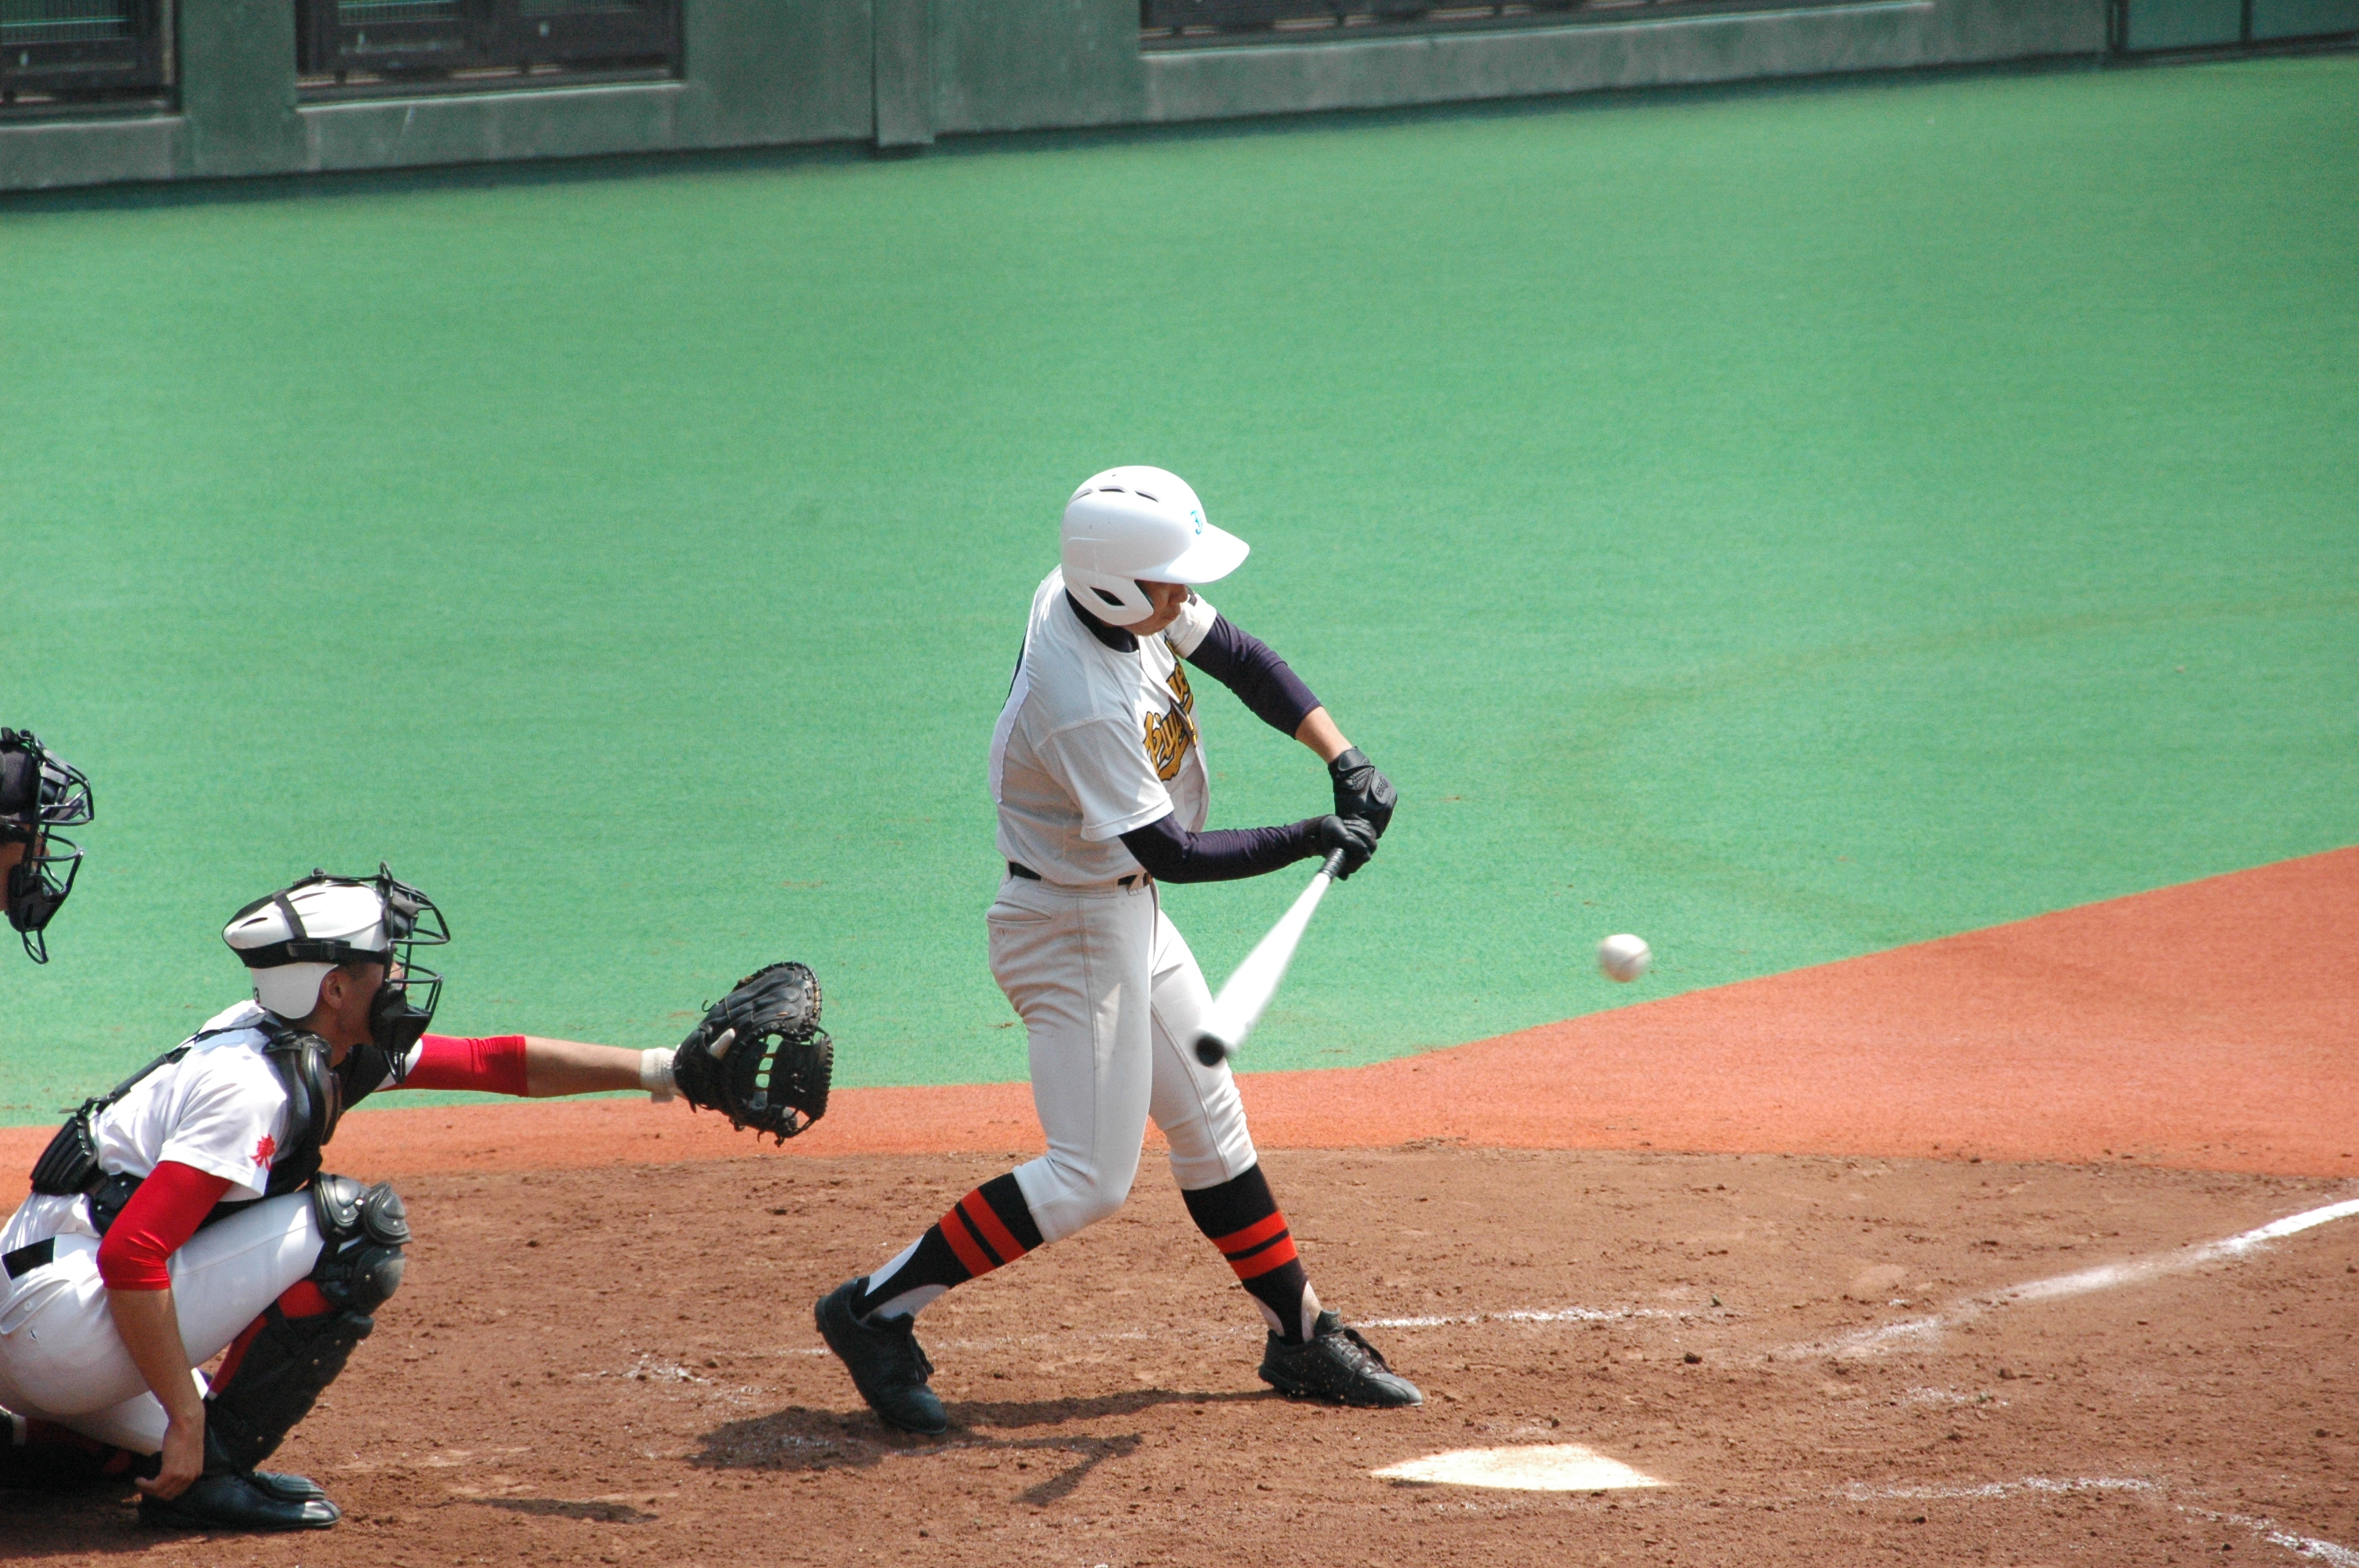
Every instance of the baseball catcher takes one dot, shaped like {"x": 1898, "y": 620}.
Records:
{"x": 40, "y": 792}
{"x": 186, "y": 1213}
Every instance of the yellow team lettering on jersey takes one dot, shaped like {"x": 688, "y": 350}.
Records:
{"x": 1178, "y": 681}
{"x": 1169, "y": 734}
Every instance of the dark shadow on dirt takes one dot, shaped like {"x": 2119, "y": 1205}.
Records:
{"x": 96, "y": 1521}
{"x": 557, "y": 1508}
{"x": 802, "y": 1439}
{"x": 1007, "y": 1413}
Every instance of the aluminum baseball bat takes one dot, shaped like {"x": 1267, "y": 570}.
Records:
{"x": 1247, "y": 993}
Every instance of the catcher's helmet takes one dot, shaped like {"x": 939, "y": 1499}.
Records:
{"x": 1132, "y": 523}
{"x": 292, "y": 938}
{"x": 39, "y": 792}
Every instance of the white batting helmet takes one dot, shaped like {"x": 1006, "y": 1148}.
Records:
{"x": 1129, "y": 523}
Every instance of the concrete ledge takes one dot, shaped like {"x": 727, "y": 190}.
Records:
{"x": 485, "y": 128}
{"x": 763, "y": 73}
{"x": 65, "y": 153}
{"x": 1440, "y": 68}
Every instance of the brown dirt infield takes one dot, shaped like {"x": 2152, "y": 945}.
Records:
{"x": 615, "y": 1363}
{"x": 618, "y": 1366}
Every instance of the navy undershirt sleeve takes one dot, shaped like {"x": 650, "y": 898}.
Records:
{"x": 1262, "y": 682}
{"x": 1171, "y": 854}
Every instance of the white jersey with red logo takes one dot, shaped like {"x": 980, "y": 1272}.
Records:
{"x": 222, "y": 1109}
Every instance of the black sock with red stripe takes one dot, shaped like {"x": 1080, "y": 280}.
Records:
{"x": 989, "y": 1227}
{"x": 1242, "y": 1218}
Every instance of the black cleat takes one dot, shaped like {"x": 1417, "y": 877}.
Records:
{"x": 234, "y": 1500}
{"x": 1338, "y": 1367}
{"x": 288, "y": 1489}
{"x": 886, "y": 1364}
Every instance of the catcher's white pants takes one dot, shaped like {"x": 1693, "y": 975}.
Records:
{"x": 61, "y": 1360}
{"x": 1111, "y": 998}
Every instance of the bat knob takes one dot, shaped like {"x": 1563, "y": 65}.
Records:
{"x": 1212, "y": 1050}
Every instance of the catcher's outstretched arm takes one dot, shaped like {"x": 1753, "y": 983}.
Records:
{"x": 553, "y": 1068}
{"x": 529, "y": 1065}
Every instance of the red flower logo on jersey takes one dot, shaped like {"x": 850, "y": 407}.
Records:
{"x": 266, "y": 1151}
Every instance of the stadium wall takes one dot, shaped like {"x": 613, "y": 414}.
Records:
{"x": 896, "y": 73}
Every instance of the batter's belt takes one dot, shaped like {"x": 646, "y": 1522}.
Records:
{"x": 1135, "y": 880}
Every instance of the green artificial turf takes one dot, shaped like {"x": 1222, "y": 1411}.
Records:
{"x": 1784, "y": 525}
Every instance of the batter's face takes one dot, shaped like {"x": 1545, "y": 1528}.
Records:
{"x": 1169, "y": 599}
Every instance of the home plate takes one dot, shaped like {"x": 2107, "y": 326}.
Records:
{"x": 1535, "y": 1468}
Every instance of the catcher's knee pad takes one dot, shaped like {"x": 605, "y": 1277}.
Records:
{"x": 362, "y": 1230}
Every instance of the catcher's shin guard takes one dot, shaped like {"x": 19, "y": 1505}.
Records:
{"x": 286, "y": 1366}
{"x": 279, "y": 1368}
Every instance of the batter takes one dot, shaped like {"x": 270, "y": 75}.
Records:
{"x": 1098, "y": 770}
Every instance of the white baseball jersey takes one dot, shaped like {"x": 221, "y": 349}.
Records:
{"x": 222, "y": 1109}
{"x": 1095, "y": 741}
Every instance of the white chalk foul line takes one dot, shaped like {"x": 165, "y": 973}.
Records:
{"x": 2103, "y": 1277}
{"x": 2268, "y": 1530}
{"x": 1861, "y": 1492}
{"x": 1866, "y": 1340}
{"x": 1552, "y": 1315}
{"x": 2307, "y": 1545}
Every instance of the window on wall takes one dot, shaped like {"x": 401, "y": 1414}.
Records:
{"x": 1165, "y": 23}
{"x": 363, "y": 47}
{"x": 100, "y": 53}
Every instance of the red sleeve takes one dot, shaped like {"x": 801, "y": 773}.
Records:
{"x": 157, "y": 1222}
{"x": 494, "y": 1064}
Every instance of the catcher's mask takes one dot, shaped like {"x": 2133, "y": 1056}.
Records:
{"x": 273, "y": 933}
{"x": 39, "y": 792}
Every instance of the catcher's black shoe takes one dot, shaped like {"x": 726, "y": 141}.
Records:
{"x": 886, "y": 1364}
{"x": 1337, "y": 1366}
{"x": 240, "y": 1500}
{"x": 288, "y": 1488}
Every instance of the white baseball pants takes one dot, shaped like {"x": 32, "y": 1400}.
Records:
{"x": 1111, "y": 1000}
{"x": 61, "y": 1360}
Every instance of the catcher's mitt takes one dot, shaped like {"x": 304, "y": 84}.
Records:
{"x": 774, "y": 1061}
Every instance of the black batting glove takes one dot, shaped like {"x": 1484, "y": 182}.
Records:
{"x": 1361, "y": 791}
{"x": 1354, "y": 835}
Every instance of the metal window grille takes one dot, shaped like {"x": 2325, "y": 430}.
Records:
{"x": 1165, "y": 23}
{"x": 68, "y": 49}
{"x": 409, "y": 39}
{"x": 2165, "y": 27}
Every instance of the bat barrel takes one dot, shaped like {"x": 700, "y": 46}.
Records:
{"x": 1247, "y": 994}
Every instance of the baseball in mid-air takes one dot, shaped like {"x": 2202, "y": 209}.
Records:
{"x": 1625, "y": 957}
